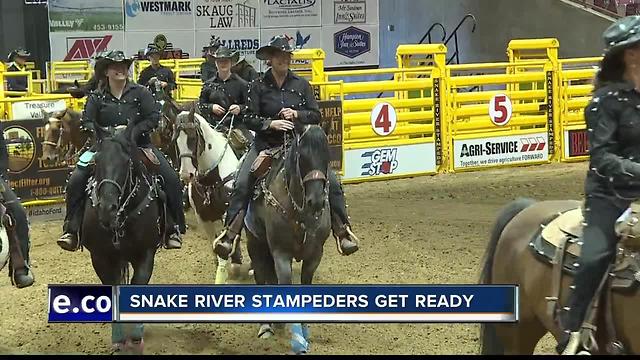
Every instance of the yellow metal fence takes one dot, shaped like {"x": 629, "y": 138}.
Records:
{"x": 423, "y": 116}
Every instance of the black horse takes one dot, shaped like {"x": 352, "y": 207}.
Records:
{"x": 291, "y": 218}
{"x": 124, "y": 221}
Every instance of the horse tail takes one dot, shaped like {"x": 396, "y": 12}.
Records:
{"x": 489, "y": 341}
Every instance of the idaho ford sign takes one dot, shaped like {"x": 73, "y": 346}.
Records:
{"x": 352, "y": 42}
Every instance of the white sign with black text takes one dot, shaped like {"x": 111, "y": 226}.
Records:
{"x": 385, "y": 161}
{"x": 503, "y": 150}
{"x": 32, "y": 109}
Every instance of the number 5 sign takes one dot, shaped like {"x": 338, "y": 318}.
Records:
{"x": 383, "y": 119}
{"x": 500, "y": 109}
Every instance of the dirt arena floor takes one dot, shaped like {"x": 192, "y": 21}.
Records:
{"x": 426, "y": 230}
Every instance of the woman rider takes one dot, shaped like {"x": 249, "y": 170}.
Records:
{"x": 613, "y": 122}
{"x": 120, "y": 101}
{"x": 276, "y": 100}
{"x": 226, "y": 92}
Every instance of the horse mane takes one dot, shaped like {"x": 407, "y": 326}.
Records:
{"x": 315, "y": 144}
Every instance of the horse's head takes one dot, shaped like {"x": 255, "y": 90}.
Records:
{"x": 190, "y": 143}
{"x": 114, "y": 167}
{"x": 310, "y": 163}
{"x": 54, "y": 135}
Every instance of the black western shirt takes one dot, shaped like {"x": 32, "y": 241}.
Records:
{"x": 163, "y": 73}
{"x": 266, "y": 100}
{"x": 224, "y": 93}
{"x": 136, "y": 106}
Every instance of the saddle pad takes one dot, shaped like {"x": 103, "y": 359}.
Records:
{"x": 567, "y": 224}
{"x": 86, "y": 158}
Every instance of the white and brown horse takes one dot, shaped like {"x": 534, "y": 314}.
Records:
{"x": 208, "y": 165}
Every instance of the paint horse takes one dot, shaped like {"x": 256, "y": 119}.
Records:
{"x": 207, "y": 165}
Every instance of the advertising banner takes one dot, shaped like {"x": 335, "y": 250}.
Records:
{"x": 343, "y": 12}
{"x": 290, "y": 13}
{"x": 29, "y": 175}
{"x": 503, "y": 150}
{"x": 390, "y": 160}
{"x": 351, "y": 45}
{"x": 246, "y": 41}
{"x": 85, "y": 15}
{"x": 227, "y": 14}
{"x": 166, "y": 15}
{"x": 70, "y": 46}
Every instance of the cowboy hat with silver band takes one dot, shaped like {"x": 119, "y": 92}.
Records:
{"x": 622, "y": 34}
{"x": 115, "y": 56}
{"x": 277, "y": 43}
{"x": 21, "y": 52}
{"x": 226, "y": 53}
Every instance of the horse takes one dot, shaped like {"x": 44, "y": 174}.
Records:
{"x": 290, "y": 218}
{"x": 62, "y": 131}
{"x": 125, "y": 220}
{"x": 518, "y": 253}
{"x": 162, "y": 136}
{"x": 207, "y": 165}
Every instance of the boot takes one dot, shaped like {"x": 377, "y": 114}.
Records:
{"x": 69, "y": 240}
{"x": 175, "y": 239}
{"x": 223, "y": 244}
{"x": 346, "y": 240}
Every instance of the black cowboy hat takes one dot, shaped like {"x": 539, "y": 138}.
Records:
{"x": 226, "y": 53}
{"x": 21, "y": 52}
{"x": 214, "y": 44}
{"x": 277, "y": 43}
{"x": 115, "y": 56}
{"x": 622, "y": 34}
{"x": 152, "y": 50}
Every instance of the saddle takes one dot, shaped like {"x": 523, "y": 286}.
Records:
{"x": 263, "y": 162}
{"x": 146, "y": 155}
{"x": 559, "y": 244}
{"x": 149, "y": 159}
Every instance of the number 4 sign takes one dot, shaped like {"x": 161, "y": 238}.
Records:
{"x": 500, "y": 109}
{"x": 383, "y": 119}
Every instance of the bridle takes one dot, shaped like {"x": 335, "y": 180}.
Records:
{"x": 191, "y": 125}
{"x": 315, "y": 174}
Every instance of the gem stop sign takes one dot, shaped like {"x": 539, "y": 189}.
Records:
{"x": 500, "y": 109}
{"x": 383, "y": 119}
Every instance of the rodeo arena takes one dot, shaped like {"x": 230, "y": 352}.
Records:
{"x": 414, "y": 177}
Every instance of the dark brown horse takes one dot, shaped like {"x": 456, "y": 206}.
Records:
{"x": 63, "y": 136}
{"x": 162, "y": 136}
{"x": 514, "y": 257}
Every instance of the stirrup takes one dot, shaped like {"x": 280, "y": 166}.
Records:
{"x": 346, "y": 234}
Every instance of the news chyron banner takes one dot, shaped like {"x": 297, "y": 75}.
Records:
{"x": 284, "y": 303}
{"x": 347, "y": 30}
{"x": 31, "y": 175}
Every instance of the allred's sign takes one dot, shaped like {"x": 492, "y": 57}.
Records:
{"x": 578, "y": 143}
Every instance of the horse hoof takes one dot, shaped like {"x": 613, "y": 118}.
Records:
{"x": 118, "y": 348}
{"x": 234, "y": 271}
{"x": 583, "y": 352}
{"x": 265, "y": 332}
{"x": 250, "y": 272}
{"x": 135, "y": 347}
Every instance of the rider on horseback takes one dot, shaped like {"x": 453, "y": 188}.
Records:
{"x": 119, "y": 101}
{"x": 613, "y": 122}
{"x": 226, "y": 92}
{"x": 21, "y": 276}
{"x": 156, "y": 73}
{"x": 208, "y": 67}
{"x": 277, "y": 99}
